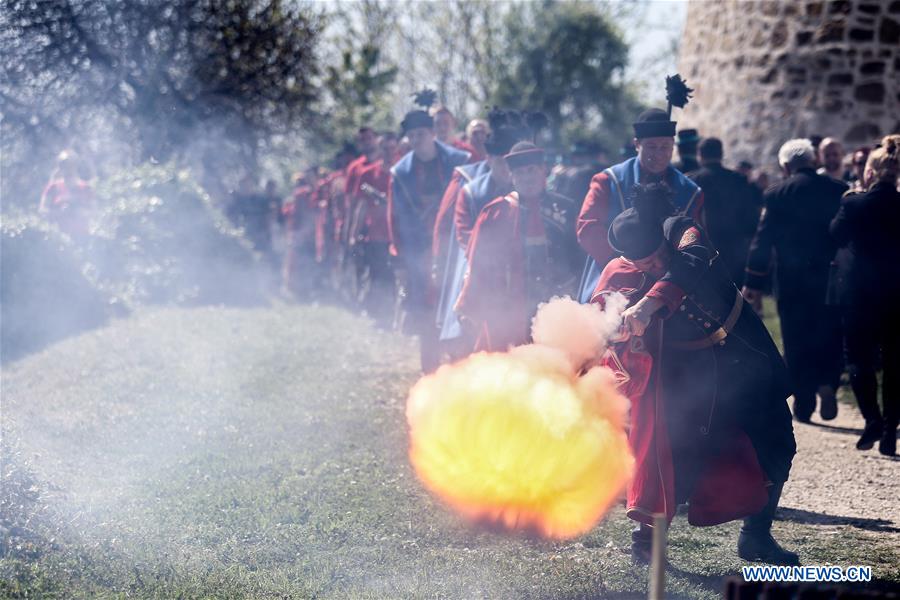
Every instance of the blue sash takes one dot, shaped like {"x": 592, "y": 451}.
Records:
{"x": 622, "y": 179}
{"x": 478, "y": 194}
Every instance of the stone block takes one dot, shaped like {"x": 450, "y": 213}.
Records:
{"x": 832, "y": 31}
{"x": 840, "y": 79}
{"x": 872, "y": 93}
{"x": 872, "y": 68}
{"x": 863, "y": 133}
{"x": 861, "y": 35}
{"x": 889, "y": 32}
{"x": 780, "y": 34}
{"x": 839, "y": 7}
{"x": 833, "y": 105}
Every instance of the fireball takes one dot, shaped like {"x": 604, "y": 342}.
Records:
{"x": 519, "y": 440}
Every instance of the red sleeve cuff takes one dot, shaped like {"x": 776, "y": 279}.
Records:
{"x": 670, "y": 294}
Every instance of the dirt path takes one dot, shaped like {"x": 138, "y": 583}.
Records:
{"x": 834, "y": 484}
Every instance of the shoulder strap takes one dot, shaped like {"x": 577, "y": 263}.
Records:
{"x": 618, "y": 186}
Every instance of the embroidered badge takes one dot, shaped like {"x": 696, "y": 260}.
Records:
{"x": 690, "y": 236}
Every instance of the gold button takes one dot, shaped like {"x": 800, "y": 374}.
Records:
{"x": 722, "y": 343}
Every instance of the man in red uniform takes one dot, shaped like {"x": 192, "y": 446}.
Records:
{"x": 463, "y": 211}
{"x": 298, "y": 215}
{"x": 522, "y": 252}
{"x": 367, "y": 143}
{"x": 68, "y": 200}
{"x": 709, "y": 419}
{"x": 445, "y": 130}
{"x": 418, "y": 182}
{"x": 329, "y": 222}
{"x": 610, "y": 190}
{"x": 369, "y": 233}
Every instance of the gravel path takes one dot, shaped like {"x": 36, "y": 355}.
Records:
{"x": 834, "y": 484}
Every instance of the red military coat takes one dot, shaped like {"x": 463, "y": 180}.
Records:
{"x": 601, "y": 204}
{"x": 733, "y": 484}
{"x": 495, "y": 296}
{"x": 370, "y": 216}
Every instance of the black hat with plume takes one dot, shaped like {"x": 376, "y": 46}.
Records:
{"x": 417, "y": 118}
{"x": 656, "y": 122}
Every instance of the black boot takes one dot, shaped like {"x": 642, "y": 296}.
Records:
{"x": 871, "y": 434}
{"x": 641, "y": 544}
{"x": 804, "y": 406}
{"x": 888, "y": 443}
{"x": 755, "y": 542}
{"x": 828, "y": 408}
{"x": 865, "y": 388}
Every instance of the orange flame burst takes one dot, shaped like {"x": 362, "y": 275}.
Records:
{"x": 520, "y": 440}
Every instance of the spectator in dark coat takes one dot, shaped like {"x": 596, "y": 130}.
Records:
{"x": 795, "y": 225}
{"x": 868, "y": 286}
{"x": 731, "y": 208}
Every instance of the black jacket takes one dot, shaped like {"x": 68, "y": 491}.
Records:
{"x": 731, "y": 207}
{"x": 868, "y": 264}
{"x": 795, "y": 224}
{"x": 716, "y": 381}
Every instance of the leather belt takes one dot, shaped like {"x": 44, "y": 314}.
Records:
{"x": 717, "y": 336}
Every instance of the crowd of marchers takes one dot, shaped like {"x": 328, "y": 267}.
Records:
{"x": 457, "y": 240}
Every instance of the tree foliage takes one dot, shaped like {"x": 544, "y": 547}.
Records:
{"x": 161, "y": 75}
{"x": 567, "y": 60}
{"x": 356, "y": 91}
{"x": 357, "y": 76}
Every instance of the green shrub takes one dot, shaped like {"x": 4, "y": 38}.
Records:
{"x": 46, "y": 294}
{"x": 159, "y": 239}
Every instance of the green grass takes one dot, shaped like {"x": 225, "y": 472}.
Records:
{"x": 262, "y": 453}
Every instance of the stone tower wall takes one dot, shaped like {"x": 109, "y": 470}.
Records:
{"x": 767, "y": 71}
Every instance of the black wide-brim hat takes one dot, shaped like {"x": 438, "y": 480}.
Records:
{"x": 524, "y": 157}
{"x": 415, "y": 119}
{"x": 688, "y": 137}
{"x": 653, "y": 122}
{"x": 633, "y": 236}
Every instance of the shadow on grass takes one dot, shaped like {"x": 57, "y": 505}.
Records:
{"x": 713, "y": 583}
{"x": 814, "y": 518}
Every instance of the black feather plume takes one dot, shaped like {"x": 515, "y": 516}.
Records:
{"x": 677, "y": 92}
{"x": 425, "y": 98}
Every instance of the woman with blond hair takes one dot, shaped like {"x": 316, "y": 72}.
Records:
{"x": 868, "y": 283}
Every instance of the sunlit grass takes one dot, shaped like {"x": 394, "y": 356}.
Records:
{"x": 262, "y": 453}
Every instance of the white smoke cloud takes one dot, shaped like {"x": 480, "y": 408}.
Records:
{"x": 581, "y": 331}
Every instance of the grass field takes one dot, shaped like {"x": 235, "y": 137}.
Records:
{"x": 262, "y": 453}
